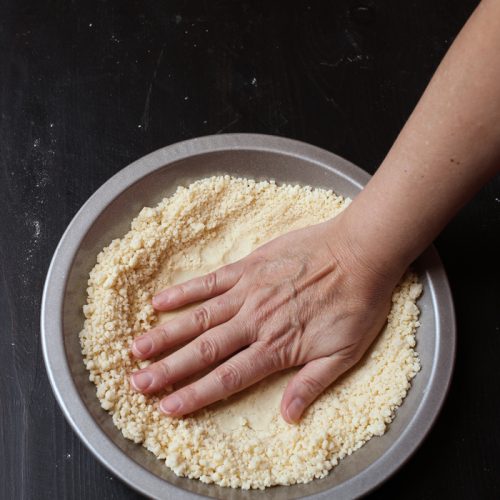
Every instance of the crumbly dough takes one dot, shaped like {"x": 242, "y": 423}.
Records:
{"x": 240, "y": 442}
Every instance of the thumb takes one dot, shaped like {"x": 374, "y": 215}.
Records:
{"x": 310, "y": 382}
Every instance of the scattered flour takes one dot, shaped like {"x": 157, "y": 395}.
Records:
{"x": 242, "y": 441}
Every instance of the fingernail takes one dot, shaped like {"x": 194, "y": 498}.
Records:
{"x": 295, "y": 409}
{"x": 141, "y": 380}
{"x": 143, "y": 345}
{"x": 172, "y": 404}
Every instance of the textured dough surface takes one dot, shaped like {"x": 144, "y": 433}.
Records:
{"x": 242, "y": 441}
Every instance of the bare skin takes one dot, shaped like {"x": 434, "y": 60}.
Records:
{"x": 317, "y": 297}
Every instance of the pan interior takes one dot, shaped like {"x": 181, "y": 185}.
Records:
{"x": 114, "y": 221}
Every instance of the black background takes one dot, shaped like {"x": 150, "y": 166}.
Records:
{"x": 87, "y": 87}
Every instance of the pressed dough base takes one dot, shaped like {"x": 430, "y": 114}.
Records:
{"x": 242, "y": 441}
{"x": 259, "y": 405}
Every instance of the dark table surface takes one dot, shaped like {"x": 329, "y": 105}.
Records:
{"x": 88, "y": 87}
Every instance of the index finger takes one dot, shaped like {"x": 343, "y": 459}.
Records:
{"x": 196, "y": 289}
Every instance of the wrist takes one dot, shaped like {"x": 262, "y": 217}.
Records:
{"x": 368, "y": 251}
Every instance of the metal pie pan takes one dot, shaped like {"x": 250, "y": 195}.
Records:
{"x": 107, "y": 215}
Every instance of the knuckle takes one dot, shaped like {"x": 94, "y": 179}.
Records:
{"x": 312, "y": 385}
{"x": 207, "y": 350}
{"x": 179, "y": 290}
{"x": 259, "y": 258}
{"x": 209, "y": 282}
{"x": 164, "y": 370}
{"x": 163, "y": 334}
{"x": 221, "y": 302}
{"x": 201, "y": 318}
{"x": 229, "y": 377}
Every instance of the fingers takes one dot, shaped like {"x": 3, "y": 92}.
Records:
{"x": 310, "y": 382}
{"x": 239, "y": 372}
{"x": 187, "y": 326}
{"x": 202, "y": 288}
{"x": 201, "y": 353}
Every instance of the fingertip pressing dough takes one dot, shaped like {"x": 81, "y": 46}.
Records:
{"x": 241, "y": 442}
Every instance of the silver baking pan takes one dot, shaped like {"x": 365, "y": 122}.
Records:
{"x": 107, "y": 215}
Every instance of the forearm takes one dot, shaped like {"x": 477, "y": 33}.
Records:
{"x": 449, "y": 147}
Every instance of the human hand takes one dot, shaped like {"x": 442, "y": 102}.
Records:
{"x": 302, "y": 299}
